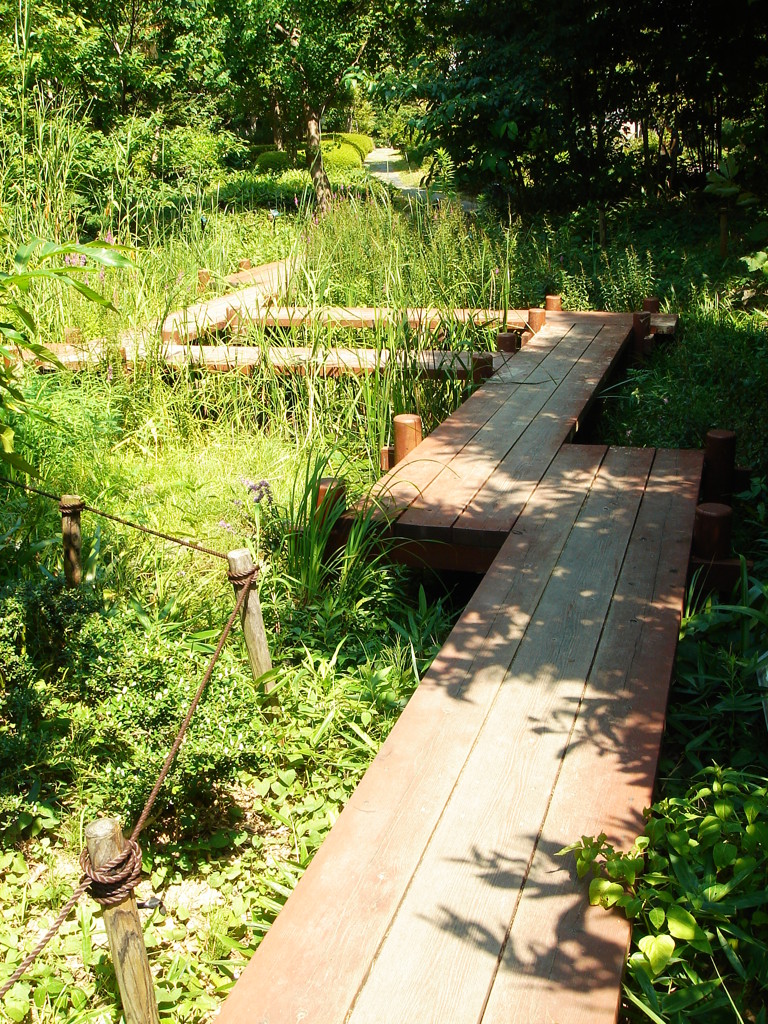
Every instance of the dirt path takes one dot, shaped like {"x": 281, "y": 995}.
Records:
{"x": 378, "y": 164}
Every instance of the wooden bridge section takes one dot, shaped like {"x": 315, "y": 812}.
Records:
{"x": 438, "y": 895}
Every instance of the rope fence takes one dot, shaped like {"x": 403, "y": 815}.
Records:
{"x": 111, "y": 882}
{"x": 67, "y": 507}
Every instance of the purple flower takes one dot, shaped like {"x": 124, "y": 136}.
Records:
{"x": 260, "y": 489}
{"x": 226, "y": 526}
{"x": 102, "y": 274}
{"x": 295, "y": 200}
{"x": 109, "y": 238}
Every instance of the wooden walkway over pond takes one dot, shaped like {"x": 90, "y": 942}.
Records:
{"x": 438, "y": 895}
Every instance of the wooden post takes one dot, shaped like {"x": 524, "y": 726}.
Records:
{"x": 105, "y": 841}
{"x": 508, "y": 341}
{"x": 408, "y": 434}
{"x": 203, "y": 279}
{"x": 331, "y": 491}
{"x": 240, "y": 561}
{"x": 553, "y": 303}
{"x": 719, "y": 464}
{"x": 70, "y": 507}
{"x": 651, "y": 304}
{"x": 387, "y": 458}
{"x": 537, "y": 317}
{"x": 244, "y": 265}
{"x": 712, "y": 531}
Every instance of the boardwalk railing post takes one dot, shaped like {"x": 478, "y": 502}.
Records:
{"x": 70, "y": 507}
{"x": 482, "y": 367}
{"x": 537, "y": 317}
{"x": 240, "y": 563}
{"x": 553, "y": 303}
{"x": 104, "y": 839}
{"x": 408, "y": 434}
{"x": 712, "y": 531}
{"x": 719, "y": 464}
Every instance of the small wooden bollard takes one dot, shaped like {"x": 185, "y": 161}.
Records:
{"x": 553, "y": 303}
{"x": 482, "y": 367}
{"x": 387, "y": 458}
{"x": 712, "y": 531}
{"x": 331, "y": 492}
{"x": 105, "y": 841}
{"x": 719, "y": 465}
{"x": 244, "y": 265}
{"x": 203, "y": 279}
{"x": 651, "y": 305}
{"x": 70, "y": 507}
{"x": 408, "y": 434}
{"x": 537, "y": 317}
{"x": 508, "y": 341}
{"x": 240, "y": 562}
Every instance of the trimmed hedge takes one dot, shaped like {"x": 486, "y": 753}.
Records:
{"x": 341, "y": 156}
{"x": 273, "y": 160}
{"x": 363, "y": 143}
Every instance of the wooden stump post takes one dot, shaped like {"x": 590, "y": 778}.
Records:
{"x": 641, "y": 328}
{"x": 70, "y": 507}
{"x": 537, "y": 317}
{"x": 719, "y": 465}
{"x": 508, "y": 341}
{"x": 387, "y": 458}
{"x": 712, "y": 531}
{"x": 244, "y": 265}
{"x": 240, "y": 561}
{"x": 105, "y": 841}
{"x": 203, "y": 279}
{"x": 408, "y": 434}
{"x": 553, "y": 303}
{"x": 332, "y": 491}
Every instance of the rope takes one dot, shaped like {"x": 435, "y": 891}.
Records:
{"x": 83, "y": 507}
{"x": 116, "y": 880}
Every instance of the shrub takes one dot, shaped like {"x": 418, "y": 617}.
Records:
{"x": 341, "y": 156}
{"x": 273, "y": 161}
{"x": 363, "y": 143}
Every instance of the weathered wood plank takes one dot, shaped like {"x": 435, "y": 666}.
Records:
{"x": 563, "y": 960}
{"x": 494, "y": 506}
{"x": 317, "y": 953}
{"x": 440, "y": 954}
{"x": 404, "y": 484}
{"x": 441, "y": 504}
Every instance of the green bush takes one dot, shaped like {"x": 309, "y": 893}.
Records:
{"x": 273, "y": 161}
{"x": 363, "y": 143}
{"x": 341, "y": 156}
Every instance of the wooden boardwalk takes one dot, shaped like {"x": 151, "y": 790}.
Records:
{"x": 437, "y": 895}
{"x": 466, "y": 484}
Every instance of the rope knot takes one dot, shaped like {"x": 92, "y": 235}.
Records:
{"x": 240, "y": 579}
{"x": 68, "y": 507}
{"x": 115, "y": 880}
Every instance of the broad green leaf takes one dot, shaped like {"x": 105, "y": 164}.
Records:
{"x": 658, "y": 949}
{"x": 682, "y": 924}
{"x": 604, "y": 892}
{"x": 657, "y": 917}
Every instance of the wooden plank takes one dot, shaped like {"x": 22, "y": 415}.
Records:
{"x": 440, "y": 954}
{"x": 317, "y": 953}
{"x": 403, "y": 484}
{"x": 451, "y": 491}
{"x": 495, "y": 505}
{"x": 563, "y": 960}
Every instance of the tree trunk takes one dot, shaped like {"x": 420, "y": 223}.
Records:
{"x": 315, "y": 161}
{"x": 277, "y": 123}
